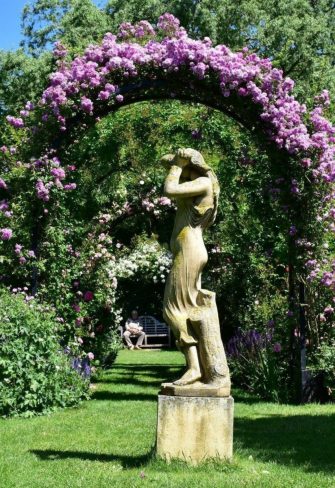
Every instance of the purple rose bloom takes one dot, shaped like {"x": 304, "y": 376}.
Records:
{"x": 15, "y": 122}
{"x": 70, "y": 186}
{"x": 6, "y": 234}
{"x": 3, "y": 184}
{"x": 42, "y": 191}
{"x": 88, "y": 296}
{"x": 4, "y": 205}
{"x": 58, "y": 173}
{"x": 86, "y": 105}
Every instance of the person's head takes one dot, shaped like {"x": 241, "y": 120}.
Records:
{"x": 134, "y": 314}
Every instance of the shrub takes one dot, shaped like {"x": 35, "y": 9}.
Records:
{"x": 257, "y": 364}
{"x": 325, "y": 362}
{"x": 105, "y": 348}
{"x": 35, "y": 375}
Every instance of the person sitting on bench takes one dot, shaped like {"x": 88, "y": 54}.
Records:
{"x": 133, "y": 327}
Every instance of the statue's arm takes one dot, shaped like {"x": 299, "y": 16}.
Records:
{"x": 173, "y": 188}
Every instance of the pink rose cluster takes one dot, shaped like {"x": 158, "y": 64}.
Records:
{"x": 142, "y": 29}
{"x": 20, "y": 254}
{"x": 50, "y": 175}
{"x": 4, "y": 208}
{"x": 85, "y": 83}
{"x": 3, "y": 184}
{"x": 6, "y": 234}
{"x": 91, "y": 78}
{"x": 16, "y": 122}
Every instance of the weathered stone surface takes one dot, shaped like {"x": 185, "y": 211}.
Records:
{"x": 195, "y": 412}
{"x": 197, "y": 389}
{"x": 195, "y": 428}
{"x": 189, "y": 309}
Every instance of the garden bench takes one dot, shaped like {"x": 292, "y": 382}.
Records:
{"x": 153, "y": 329}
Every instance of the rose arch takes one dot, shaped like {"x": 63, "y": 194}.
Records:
{"x": 143, "y": 62}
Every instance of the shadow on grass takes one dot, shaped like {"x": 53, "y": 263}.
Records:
{"x": 126, "y": 461}
{"x": 121, "y": 396}
{"x": 146, "y": 369}
{"x": 133, "y": 462}
{"x": 299, "y": 440}
{"x": 139, "y": 374}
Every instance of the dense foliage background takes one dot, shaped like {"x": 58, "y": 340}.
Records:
{"x": 102, "y": 250}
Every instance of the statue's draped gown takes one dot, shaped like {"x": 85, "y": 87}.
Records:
{"x": 183, "y": 287}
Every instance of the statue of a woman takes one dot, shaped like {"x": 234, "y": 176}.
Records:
{"x": 190, "y": 311}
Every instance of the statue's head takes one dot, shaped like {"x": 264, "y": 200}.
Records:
{"x": 194, "y": 166}
{"x": 192, "y": 159}
{"x": 195, "y": 160}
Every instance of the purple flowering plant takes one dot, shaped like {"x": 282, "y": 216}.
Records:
{"x": 144, "y": 61}
{"x": 105, "y": 76}
{"x": 258, "y": 363}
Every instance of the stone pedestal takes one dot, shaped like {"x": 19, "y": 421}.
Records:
{"x": 195, "y": 428}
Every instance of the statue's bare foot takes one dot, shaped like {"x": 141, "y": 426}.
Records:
{"x": 191, "y": 376}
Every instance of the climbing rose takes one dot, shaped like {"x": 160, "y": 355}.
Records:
{"x": 86, "y": 105}
{"x": 6, "y": 234}
{"x": 88, "y": 296}
{"x": 16, "y": 122}
{"x": 164, "y": 201}
{"x": 93, "y": 77}
{"x": 3, "y": 184}
{"x": 70, "y": 186}
{"x": 18, "y": 248}
{"x": 42, "y": 191}
{"x": 58, "y": 173}
{"x": 59, "y": 50}
{"x": 4, "y": 205}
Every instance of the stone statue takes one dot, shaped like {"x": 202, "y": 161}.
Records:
{"x": 189, "y": 310}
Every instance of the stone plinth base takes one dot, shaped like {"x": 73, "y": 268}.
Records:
{"x": 195, "y": 428}
{"x": 195, "y": 390}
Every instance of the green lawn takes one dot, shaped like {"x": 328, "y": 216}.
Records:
{"x": 108, "y": 441}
